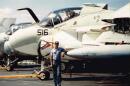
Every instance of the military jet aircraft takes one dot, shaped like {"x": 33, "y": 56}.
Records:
{"x": 5, "y": 23}
{"x": 53, "y": 22}
{"x": 64, "y": 20}
{"x": 78, "y": 35}
{"x": 5, "y": 37}
{"x": 11, "y": 28}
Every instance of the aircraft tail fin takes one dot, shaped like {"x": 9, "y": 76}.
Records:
{"x": 5, "y": 23}
{"x": 105, "y": 7}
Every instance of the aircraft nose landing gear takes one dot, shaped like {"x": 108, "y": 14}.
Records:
{"x": 44, "y": 74}
{"x": 10, "y": 63}
{"x": 9, "y": 67}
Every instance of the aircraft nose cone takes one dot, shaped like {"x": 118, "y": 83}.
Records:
{"x": 2, "y": 46}
{"x": 1, "y": 43}
{"x": 3, "y": 38}
{"x": 8, "y": 49}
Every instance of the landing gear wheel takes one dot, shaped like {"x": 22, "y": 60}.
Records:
{"x": 44, "y": 75}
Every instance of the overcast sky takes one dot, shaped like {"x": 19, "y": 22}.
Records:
{"x": 42, "y": 7}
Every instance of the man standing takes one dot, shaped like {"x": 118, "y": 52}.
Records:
{"x": 55, "y": 60}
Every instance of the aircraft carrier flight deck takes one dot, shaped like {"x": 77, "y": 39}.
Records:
{"x": 76, "y": 79}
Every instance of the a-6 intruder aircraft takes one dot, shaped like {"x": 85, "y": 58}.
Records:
{"x": 56, "y": 21}
{"x": 8, "y": 27}
{"x": 5, "y": 23}
{"x": 25, "y": 42}
{"x": 73, "y": 34}
{"x": 4, "y": 36}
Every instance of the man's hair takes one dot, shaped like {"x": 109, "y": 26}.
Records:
{"x": 56, "y": 42}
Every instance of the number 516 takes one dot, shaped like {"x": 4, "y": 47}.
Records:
{"x": 42, "y": 32}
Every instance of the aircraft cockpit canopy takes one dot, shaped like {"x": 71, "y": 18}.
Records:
{"x": 15, "y": 27}
{"x": 60, "y": 16}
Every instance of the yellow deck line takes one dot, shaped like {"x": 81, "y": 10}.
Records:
{"x": 20, "y": 76}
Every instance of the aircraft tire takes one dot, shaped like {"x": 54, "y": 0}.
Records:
{"x": 45, "y": 75}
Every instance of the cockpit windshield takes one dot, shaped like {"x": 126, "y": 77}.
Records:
{"x": 60, "y": 16}
{"x": 15, "y": 27}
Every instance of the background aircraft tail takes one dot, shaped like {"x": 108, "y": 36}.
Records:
{"x": 5, "y": 23}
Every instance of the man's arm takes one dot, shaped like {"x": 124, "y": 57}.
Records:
{"x": 63, "y": 53}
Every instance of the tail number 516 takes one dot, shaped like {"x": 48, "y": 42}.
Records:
{"x": 42, "y": 32}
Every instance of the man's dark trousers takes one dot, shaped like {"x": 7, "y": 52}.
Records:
{"x": 57, "y": 73}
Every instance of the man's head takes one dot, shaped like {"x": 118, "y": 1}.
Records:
{"x": 56, "y": 44}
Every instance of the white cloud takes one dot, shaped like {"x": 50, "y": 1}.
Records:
{"x": 5, "y": 12}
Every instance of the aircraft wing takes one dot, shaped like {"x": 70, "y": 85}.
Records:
{"x": 94, "y": 28}
{"x": 100, "y": 27}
